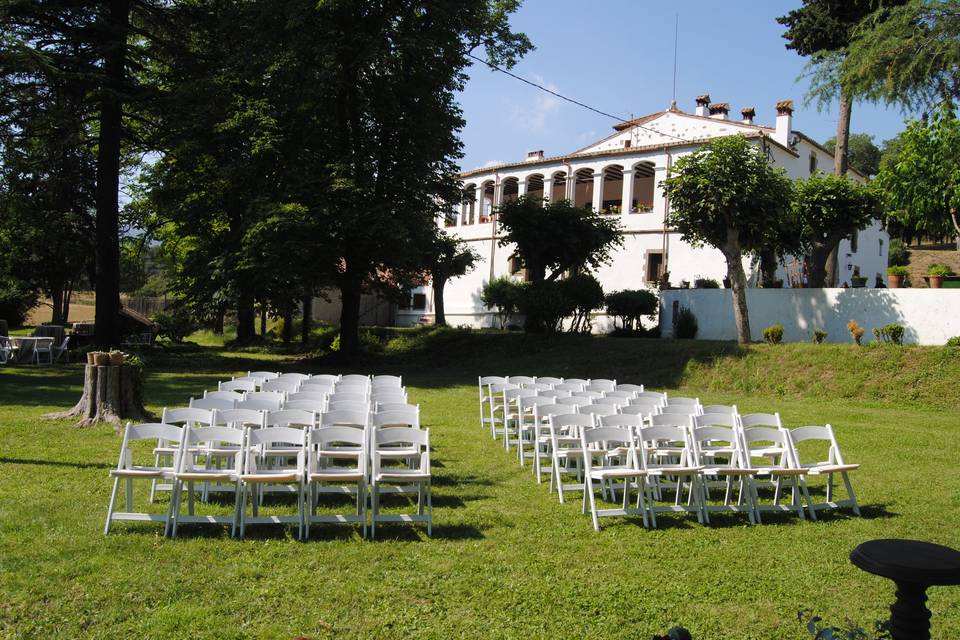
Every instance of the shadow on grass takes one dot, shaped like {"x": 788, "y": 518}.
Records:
{"x": 57, "y": 463}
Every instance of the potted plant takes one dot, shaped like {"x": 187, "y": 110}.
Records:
{"x": 937, "y": 273}
{"x": 858, "y": 282}
{"x": 896, "y": 276}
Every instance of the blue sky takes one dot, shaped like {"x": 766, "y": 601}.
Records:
{"x": 617, "y": 56}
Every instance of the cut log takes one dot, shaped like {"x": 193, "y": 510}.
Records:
{"x": 110, "y": 394}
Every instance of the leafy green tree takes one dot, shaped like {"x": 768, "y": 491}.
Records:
{"x": 448, "y": 258}
{"x": 923, "y": 185}
{"x": 585, "y": 295}
{"x": 909, "y": 55}
{"x": 557, "y": 237}
{"x": 504, "y": 295}
{"x": 863, "y": 153}
{"x": 629, "y": 305}
{"x": 726, "y": 194}
{"x": 829, "y": 208}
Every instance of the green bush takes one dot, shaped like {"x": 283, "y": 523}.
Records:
{"x": 16, "y": 301}
{"x": 585, "y": 294}
{"x": 705, "y": 283}
{"x": 892, "y": 333}
{"x": 503, "y": 294}
{"x": 544, "y": 307}
{"x": 175, "y": 324}
{"x": 953, "y": 342}
{"x": 369, "y": 343}
{"x": 629, "y": 305}
{"x": 685, "y": 325}
{"x": 897, "y": 255}
{"x": 940, "y": 270}
{"x": 819, "y": 335}
{"x": 773, "y": 334}
{"x": 898, "y": 270}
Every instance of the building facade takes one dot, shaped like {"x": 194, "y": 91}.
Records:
{"x": 620, "y": 176}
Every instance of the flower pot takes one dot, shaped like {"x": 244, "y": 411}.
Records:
{"x": 116, "y": 358}
{"x": 91, "y": 357}
{"x": 936, "y": 282}
{"x": 101, "y": 359}
{"x": 895, "y": 282}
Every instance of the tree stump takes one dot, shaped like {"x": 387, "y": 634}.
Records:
{"x": 111, "y": 393}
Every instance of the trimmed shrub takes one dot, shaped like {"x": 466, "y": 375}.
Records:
{"x": 585, "y": 294}
{"x": 856, "y": 331}
{"x": 773, "y": 334}
{"x": 892, "y": 333}
{"x": 897, "y": 254}
{"x": 629, "y": 305}
{"x": 953, "y": 342}
{"x": 705, "y": 283}
{"x": 544, "y": 307}
{"x": 819, "y": 335}
{"x": 175, "y": 324}
{"x": 504, "y": 294}
{"x": 685, "y": 325}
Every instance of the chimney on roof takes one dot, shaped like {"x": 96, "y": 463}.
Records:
{"x": 533, "y": 156}
{"x": 702, "y": 102}
{"x": 719, "y": 110}
{"x": 784, "y": 130}
{"x": 748, "y": 114}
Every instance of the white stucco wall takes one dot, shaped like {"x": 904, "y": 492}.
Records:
{"x": 929, "y": 316}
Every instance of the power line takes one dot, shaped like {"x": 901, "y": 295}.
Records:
{"x": 571, "y": 100}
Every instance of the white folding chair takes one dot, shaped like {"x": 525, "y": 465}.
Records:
{"x": 200, "y": 442}
{"x": 385, "y": 440}
{"x": 263, "y": 376}
{"x": 164, "y": 452}
{"x": 62, "y": 350}
{"x": 650, "y": 397}
{"x": 212, "y": 403}
{"x": 324, "y": 377}
{"x": 337, "y": 460}
{"x": 588, "y": 394}
{"x": 407, "y": 415}
{"x": 616, "y": 451}
{"x": 768, "y": 450}
{"x": 553, "y": 393}
{"x": 600, "y": 409}
{"x": 728, "y": 409}
{"x": 632, "y": 388}
{"x": 285, "y": 473}
{"x": 574, "y": 401}
{"x": 348, "y": 396}
{"x": 232, "y": 396}
{"x": 486, "y": 402}
{"x": 43, "y": 346}
{"x": 678, "y": 403}
{"x": 299, "y": 418}
{"x": 521, "y": 381}
{"x": 618, "y": 401}
{"x": 300, "y": 377}
{"x": 527, "y": 427}
{"x": 718, "y": 450}
{"x": 388, "y": 381}
{"x": 349, "y": 405}
{"x": 388, "y": 396}
{"x": 601, "y": 384}
{"x": 240, "y": 418}
{"x": 572, "y": 387}
{"x": 625, "y": 395}
{"x": 318, "y": 396}
{"x": 262, "y": 401}
{"x": 393, "y": 406}
{"x": 513, "y": 415}
{"x": 644, "y": 410}
{"x": 317, "y": 386}
{"x": 543, "y": 448}
{"x": 283, "y": 385}
{"x": 565, "y": 454}
{"x": 497, "y": 410}
{"x": 128, "y": 471}
{"x": 549, "y": 380}
{"x": 829, "y": 464}
{"x": 580, "y": 381}
{"x": 666, "y": 449}
{"x": 306, "y": 404}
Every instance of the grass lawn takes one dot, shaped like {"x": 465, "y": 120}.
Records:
{"x": 506, "y": 559}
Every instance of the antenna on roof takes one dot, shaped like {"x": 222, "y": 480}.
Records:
{"x": 676, "y": 36}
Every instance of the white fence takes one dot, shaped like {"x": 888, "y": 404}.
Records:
{"x": 929, "y": 316}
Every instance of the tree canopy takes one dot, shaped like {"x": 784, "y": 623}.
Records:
{"x": 726, "y": 194}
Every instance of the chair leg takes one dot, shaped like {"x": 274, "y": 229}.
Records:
{"x": 588, "y": 489}
{"x": 375, "y": 502}
{"x": 238, "y": 510}
{"x": 113, "y": 499}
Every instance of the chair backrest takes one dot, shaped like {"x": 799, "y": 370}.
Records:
{"x": 284, "y": 385}
{"x": 237, "y": 385}
{"x": 497, "y": 388}
{"x": 261, "y": 403}
{"x": 345, "y": 418}
{"x": 615, "y": 400}
{"x": 707, "y": 440}
{"x": 349, "y": 405}
{"x": 316, "y": 396}
{"x": 770, "y": 443}
{"x": 634, "y": 388}
{"x": 290, "y": 417}
{"x": 261, "y": 441}
{"x": 186, "y": 416}
{"x": 681, "y": 420}
{"x": 165, "y": 433}
{"x": 212, "y": 403}
{"x": 355, "y": 378}
{"x": 233, "y": 396}
{"x": 544, "y": 411}
{"x": 349, "y": 440}
{"x": 485, "y": 381}
{"x": 823, "y": 434}
{"x": 301, "y": 377}
{"x": 347, "y": 396}
{"x": 263, "y": 375}
{"x": 528, "y": 403}
{"x": 681, "y": 409}
{"x": 587, "y": 394}
{"x": 325, "y": 377}
{"x": 511, "y": 395}
{"x": 761, "y": 420}
{"x": 240, "y": 418}
{"x": 549, "y": 380}
{"x": 641, "y": 409}
{"x": 538, "y": 386}
{"x": 306, "y": 404}
{"x": 573, "y": 401}
{"x": 600, "y": 409}
{"x": 568, "y": 386}
{"x": 650, "y": 396}
{"x": 672, "y": 439}
{"x": 572, "y": 422}
{"x": 63, "y": 345}
{"x": 730, "y": 409}
{"x": 610, "y": 437}
{"x": 391, "y": 437}
{"x": 553, "y": 393}
{"x": 601, "y": 384}
{"x": 619, "y": 393}
{"x": 393, "y": 395}
{"x": 581, "y": 381}
{"x": 726, "y": 420}
{"x": 682, "y": 401}
{"x": 393, "y": 406}
{"x": 316, "y": 386}
{"x": 406, "y": 417}
{"x": 386, "y": 380}
{"x": 620, "y": 420}
{"x": 521, "y": 380}
{"x": 214, "y": 437}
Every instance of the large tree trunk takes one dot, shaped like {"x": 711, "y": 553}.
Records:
{"x": 349, "y": 316}
{"x": 307, "y": 326}
{"x": 840, "y": 165}
{"x": 56, "y": 302}
{"x": 818, "y": 262}
{"x": 246, "y": 318}
{"x": 218, "y": 321}
{"x": 439, "y": 313}
{"x": 107, "y": 326}
{"x": 110, "y": 394}
{"x": 768, "y": 268}
{"x": 738, "y": 283}
{"x": 287, "y": 333}
{"x": 66, "y": 302}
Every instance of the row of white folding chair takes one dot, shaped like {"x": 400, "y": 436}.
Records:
{"x": 311, "y": 468}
